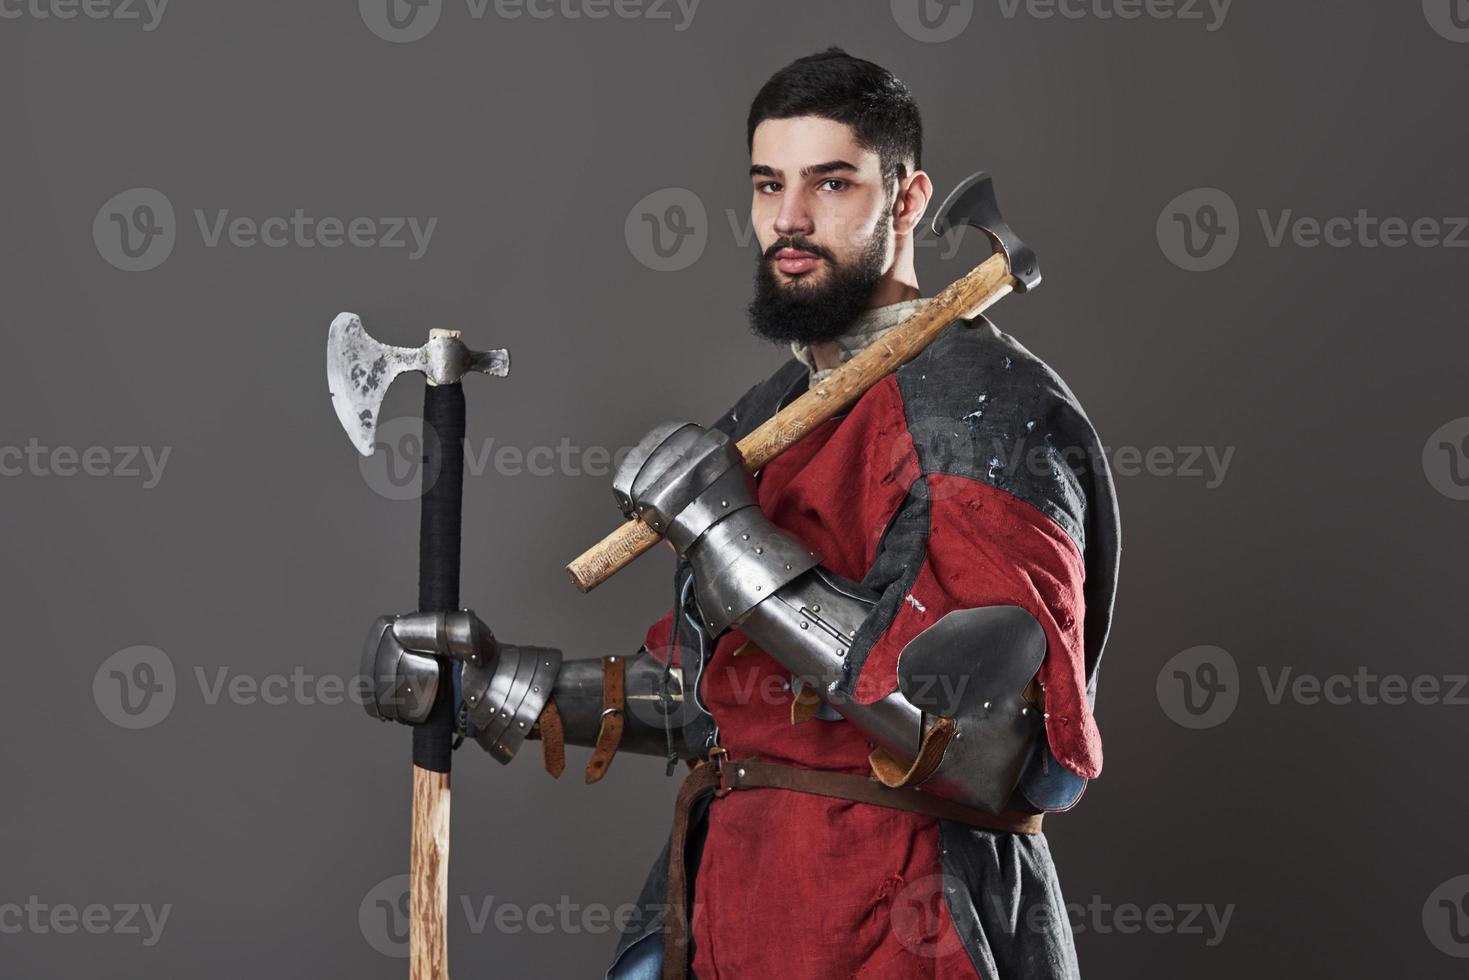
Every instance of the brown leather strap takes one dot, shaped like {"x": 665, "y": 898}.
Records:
{"x": 703, "y": 778}
{"x": 553, "y": 739}
{"x": 893, "y": 774}
{"x": 754, "y": 774}
{"x": 804, "y": 705}
{"x": 610, "y": 732}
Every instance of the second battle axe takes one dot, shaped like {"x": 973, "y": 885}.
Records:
{"x": 1012, "y": 268}
{"x": 359, "y": 371}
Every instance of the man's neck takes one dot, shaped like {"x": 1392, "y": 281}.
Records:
{"x": 890, "y": 290}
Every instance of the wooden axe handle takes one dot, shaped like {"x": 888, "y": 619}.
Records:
{"x": 986, "y": 284}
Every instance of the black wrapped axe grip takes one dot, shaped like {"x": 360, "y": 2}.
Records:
{"x": 438, "y": 553}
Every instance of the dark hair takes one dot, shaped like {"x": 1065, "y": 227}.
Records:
{"x": 834, "y": 85}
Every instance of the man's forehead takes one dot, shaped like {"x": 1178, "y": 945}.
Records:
{"x": 801, "y": 143}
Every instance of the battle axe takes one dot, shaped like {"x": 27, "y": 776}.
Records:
{"x": 359, "y": 371}
{"x": 1012, "y": 268}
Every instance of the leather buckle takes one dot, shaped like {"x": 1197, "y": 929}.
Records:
{"x": 717, "y": 755}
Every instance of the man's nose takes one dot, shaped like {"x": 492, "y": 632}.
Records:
{"x": 794, "y": 217}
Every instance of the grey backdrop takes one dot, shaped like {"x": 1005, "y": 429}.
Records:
{"x": 1329, "y": 831}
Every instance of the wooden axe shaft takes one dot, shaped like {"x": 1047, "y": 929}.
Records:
{"x": 985, "y": 285}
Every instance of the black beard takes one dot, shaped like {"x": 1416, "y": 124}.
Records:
{"x": 810, "y": 314}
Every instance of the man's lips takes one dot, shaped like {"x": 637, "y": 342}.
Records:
{"x": 793, "y": 261}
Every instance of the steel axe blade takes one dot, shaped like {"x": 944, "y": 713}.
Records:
{"x": 359, "y": 370}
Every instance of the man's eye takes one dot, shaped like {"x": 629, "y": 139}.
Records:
{"x": 769, "y": 187}
{"x": 833, "y": 184}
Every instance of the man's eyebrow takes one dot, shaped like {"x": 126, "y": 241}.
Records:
{"x": 830, "y": 167}
{"x": 815, "y": 170}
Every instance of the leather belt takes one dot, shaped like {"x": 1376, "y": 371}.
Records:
{"x": 723, "y": 777}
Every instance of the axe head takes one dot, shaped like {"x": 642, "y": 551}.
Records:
{"x": 359, "y": 371}
{"x": 973, "y": 203}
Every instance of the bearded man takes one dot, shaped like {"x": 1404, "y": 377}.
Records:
{"x": 944, "y": 552}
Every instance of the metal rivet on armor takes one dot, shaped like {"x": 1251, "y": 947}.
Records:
{"x": 816, "y": 609}
{"x": 410, "y": 690}
{"x": 1025, "y": 711}
{"x": 804, "y": 624}
{"x": 987, "y": 706}
{"x": 548, "y": 663}
{"x": 726, "y": 609}
{"x": 742, "y": 774}
{"x": 759, "y": 588}
{"x": 533, "y": 690}
{"x": 745, "y": 536}
{"x": 759, "y": 550}
{"x": 522, "y": 724}
{"x": 504, "y": 713}
{"x": 612, "y": 660}
{"x": 788, "y": 566}
{"x": 831, "y": 688}
{"x": 473, "y": 697}
{"x": 724, "y": 503}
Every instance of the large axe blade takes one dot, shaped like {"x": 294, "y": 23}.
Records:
{"x": 359, "y": 371}
{"x": 1012, "y": 268}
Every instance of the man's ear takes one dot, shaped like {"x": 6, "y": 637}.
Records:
{"x": 914, "y": 191}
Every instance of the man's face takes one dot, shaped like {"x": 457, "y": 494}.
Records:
{"x": 822, "y": 215}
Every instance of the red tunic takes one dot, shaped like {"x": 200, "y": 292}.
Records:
{"x": 800, "y": 887}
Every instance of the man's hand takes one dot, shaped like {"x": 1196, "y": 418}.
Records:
{"x": 401, "y": 659}
{"x": 689, "y": 484}
{"x": 673, "y": 468}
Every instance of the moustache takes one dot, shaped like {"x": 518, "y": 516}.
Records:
{"x": 800, "y": 244}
